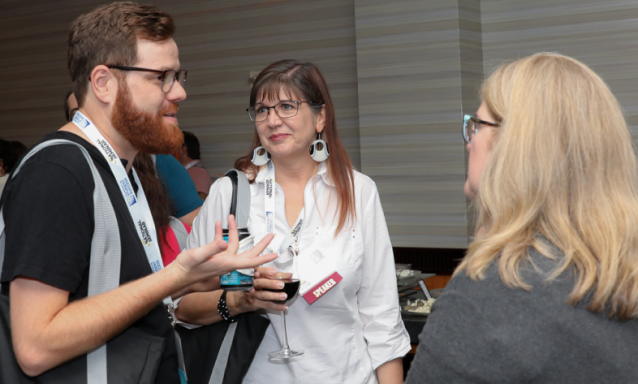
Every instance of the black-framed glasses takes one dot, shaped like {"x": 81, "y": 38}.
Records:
{"x": 284, "y": 109}
{"x": 168, "y": 77}
{"x": 471, "y": 126}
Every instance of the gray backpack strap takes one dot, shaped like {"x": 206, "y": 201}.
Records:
{"x": 180, "y": 232}
{"x": 240, "y": 201}
{"x": 104, "y": 270}
{"x": 240, "y": 207}
{"x": 219, "y": 369}
{"x": 2, "y": 241}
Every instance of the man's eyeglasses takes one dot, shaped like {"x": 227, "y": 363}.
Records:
{"x": 471, "y": 126}
{"x": 167, "y": 77}
{"x": 284, "y": 109}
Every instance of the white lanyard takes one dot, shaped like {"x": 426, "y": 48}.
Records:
{"x": 192, "y": 164}
{"x": 319, "y": 274}
{"x": 137, "y": 205}
{"x": 269, "y": 206}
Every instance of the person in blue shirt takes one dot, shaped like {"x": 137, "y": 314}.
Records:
{"x": 180, "y": 187}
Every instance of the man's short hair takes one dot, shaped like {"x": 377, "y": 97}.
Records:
{"x": 108, "y": 35}
{"x": 192, "y": 145}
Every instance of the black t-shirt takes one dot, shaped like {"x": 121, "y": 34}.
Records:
{"x": 48, "y": 211}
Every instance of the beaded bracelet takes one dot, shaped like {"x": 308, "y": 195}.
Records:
{"x": 222, "y": 308}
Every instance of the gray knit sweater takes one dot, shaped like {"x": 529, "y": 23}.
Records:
{"x": 484, "y": 332}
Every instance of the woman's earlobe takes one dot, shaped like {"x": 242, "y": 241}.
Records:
{"x": 321, "y": 120}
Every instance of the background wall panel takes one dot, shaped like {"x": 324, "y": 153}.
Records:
{"x": 33, "y": 65}
{"x": 401, "y": 73}
{"x": 222, "y": 42}
{"x": 602, "y": 34}
{"x": 471, "y": 62}
{"x": 410, "y": 111}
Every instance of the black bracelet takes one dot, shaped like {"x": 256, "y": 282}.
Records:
{"x": 222, "y": 308}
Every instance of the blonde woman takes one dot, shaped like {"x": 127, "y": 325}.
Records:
{"x": 548, "y": 292}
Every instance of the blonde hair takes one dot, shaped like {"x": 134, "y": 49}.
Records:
{"x": 562, "y": 165}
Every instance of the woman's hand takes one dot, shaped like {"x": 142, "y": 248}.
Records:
{"x": 259, "y": 297}
{"x": 201, "y": 307}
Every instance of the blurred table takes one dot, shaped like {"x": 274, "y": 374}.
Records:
{"x": 414, "y": 325}
{"x": 409, "y": 288}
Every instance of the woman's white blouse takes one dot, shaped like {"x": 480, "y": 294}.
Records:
{"x": 356, "y": 326}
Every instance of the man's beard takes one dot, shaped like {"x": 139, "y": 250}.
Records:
{"x": 147, "y": 132}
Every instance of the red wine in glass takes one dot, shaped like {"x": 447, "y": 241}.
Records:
{"x": 291, "y": 287}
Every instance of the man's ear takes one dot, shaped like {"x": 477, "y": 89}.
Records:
{"x": 103, "y": 84}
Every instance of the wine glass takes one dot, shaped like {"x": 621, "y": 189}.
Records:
{"x": 291, "y": 288}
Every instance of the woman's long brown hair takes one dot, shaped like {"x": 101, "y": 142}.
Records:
{"x": 305, "y": 81}
{"x": 158, "y": 200}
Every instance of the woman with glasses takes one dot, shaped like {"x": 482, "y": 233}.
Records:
{"x": 548, "y": 290}
{"x": 481, "y": 149}
{"x": 330, "y": 233}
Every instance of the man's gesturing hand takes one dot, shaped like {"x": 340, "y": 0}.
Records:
{"x": 218, "y": 257}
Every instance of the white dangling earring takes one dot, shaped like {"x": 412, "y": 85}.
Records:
{"x": 260, "y": 156}
{"x": 319, "y": 150}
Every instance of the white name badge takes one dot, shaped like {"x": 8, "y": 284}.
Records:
{"x": 319, "y": 275}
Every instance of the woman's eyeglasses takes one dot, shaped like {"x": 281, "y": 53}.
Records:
{"x": 471, "y": 126}
{"x": 283, "y": 109}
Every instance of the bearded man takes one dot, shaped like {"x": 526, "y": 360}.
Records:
{"x": 127, "y": 79}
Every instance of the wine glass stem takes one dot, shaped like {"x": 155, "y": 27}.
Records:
{"x": 283, "y": 317}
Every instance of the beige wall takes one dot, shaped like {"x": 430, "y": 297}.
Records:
{"x": 401, "y": 73}
{"x": 410, "y": 91}
{"x": 601, "y": 33}
{"x": 222, "y": 42}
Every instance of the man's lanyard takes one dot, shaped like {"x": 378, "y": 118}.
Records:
{"x": 269, "y": 206}
{"x": 137, "y": 205}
